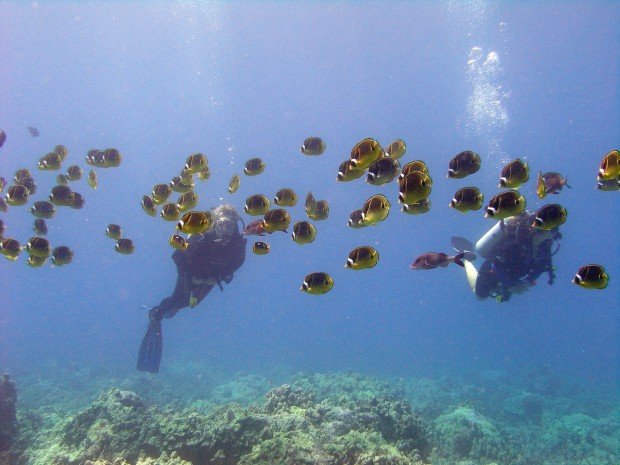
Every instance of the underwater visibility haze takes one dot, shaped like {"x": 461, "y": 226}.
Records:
{"x": 392, "y": 365}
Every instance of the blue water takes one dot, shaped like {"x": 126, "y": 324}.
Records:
{"x": 238, "y": 80}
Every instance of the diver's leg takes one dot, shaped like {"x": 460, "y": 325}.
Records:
{"x": 149, "y": 356}
{"x": 200, "y": 291}
{"x": 179, "y": 298}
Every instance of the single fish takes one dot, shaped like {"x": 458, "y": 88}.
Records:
{"x": 591, "y": 277}
{"x": 464, "y": 164}
{"x": 313, "y": 146}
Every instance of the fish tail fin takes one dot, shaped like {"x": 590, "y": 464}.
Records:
{"x": 458, "y": 259}
{"x": 566, "y": 183}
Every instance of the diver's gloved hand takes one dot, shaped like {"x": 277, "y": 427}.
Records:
{"x": 156, "y": 313}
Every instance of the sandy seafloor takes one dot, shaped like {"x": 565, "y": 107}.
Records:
{"x": 198, "y": 414}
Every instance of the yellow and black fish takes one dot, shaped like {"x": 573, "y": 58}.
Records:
{"x": 21, "y": 174}
{"x": 254, "y": 166}
{"x": 554, "y": 182}
{"x": 317, "y": 283}
{"x": 415, "y": 165}
{"x": 77, "y": 201}
{"x": 414, "y": 187}
{"x": 362, "y": 258}
{"x": 365, "y": 153}
{"x": 313, "y": 146}
{"x": 35, "y": 261}
{"x": 383, "y": 171}
{"x": 38, "y": 246}
{"x": 113, "y": 231}
{"x": 396, "y": 149}
{"x": 187, "y": 201}
{"x": 541, "y": 190}
{"x": 276, "y": 220}
{"x": 464, "y": 164}
{"x": 375, "y": 209}
{"x": 303, "y": 232}
{"x": 51, "y": 161}
{"x": 40, "y": 227}
{"x": 610, "y": 166}
{"x": 2, "y": 228}
{"x": 28, "y": 183}
{"x": 196, "y": 162}
{"x": 2, "y": 183}
{"x": 417, "y": 208}
{"x": 92, "y": 179}
{"x": 148, "y": 205}
{"x": 94, "y": 157}
{"x": 17, "y": 195}
{"x": 260, "y": 248}
{"x": 62, "y": 179}
{"x": 177, "y": 185}
{"x": 256, "y": 205}
{"x": 61, "y": 196}
{"x": 346, "y": 172}
{"x": 10, "y": 248}
{"x": 62, "y": 255}
{"x": 43, "y": 209}
{"x": 62, "y": 151}
{"x": 310, "y": 204}
{"x": 124, "y": 246}
{"x": 74, "y": 173}
{"x": 111, "y": 158}
{"x": 549, "y": 217}
{"x": 195, "y": 222}
{"x": 606, "y": 184}
{"x": 285, "y": 198}
{"x": 204, "y": 174}
{"x": 160, "y": 193}
{"x": 170, "y": 212}
{"x": 466, "y": 199}
{"x": 504, "y": 205}
{"x": 3, "y": 205}
{"x": 233, "y": 185}
{"x": 355, "y": 219}
{"x": 591, "y": 277}
{"x": 186, "y": 176}
{"x": 321, "y": 211}
{"x": 178, "y": 242}
{"x": 514, "y": 174}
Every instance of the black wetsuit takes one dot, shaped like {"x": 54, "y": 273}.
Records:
{"x": 206, "y": 261}
{"x": 516, "y": 260}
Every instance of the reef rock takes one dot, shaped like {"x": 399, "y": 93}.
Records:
{"x": 466, "y": 434}
{"x": 8, "y": 411}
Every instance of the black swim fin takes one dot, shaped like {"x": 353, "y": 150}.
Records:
{"x": 149, "y": 357}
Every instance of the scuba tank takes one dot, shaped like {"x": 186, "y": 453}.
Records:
{"x": 489, "y": 241}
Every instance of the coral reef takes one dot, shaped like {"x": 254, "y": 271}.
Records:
{"x": 466, "y": 434}
{"x": 291, "y": 428}
{"x": 8, "y": 411}
{"x": 213, "y": 417}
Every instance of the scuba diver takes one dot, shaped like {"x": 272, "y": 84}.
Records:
{"x": 210, "y": 260}
{"x": 515, "y": 254}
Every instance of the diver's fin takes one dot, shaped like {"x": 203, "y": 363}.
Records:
{"x": 149, "y": 357}
{"x": 460, "y": 244}
{"x": 471, "y": 273}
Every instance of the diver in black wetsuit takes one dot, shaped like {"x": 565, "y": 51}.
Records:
{"x": 210, "y": 260}
{"x": 515, "y": 256}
